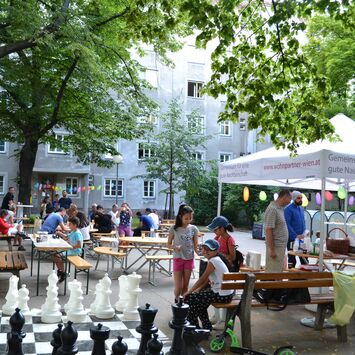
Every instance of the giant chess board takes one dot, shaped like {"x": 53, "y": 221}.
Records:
{"x": 39, "y": 335}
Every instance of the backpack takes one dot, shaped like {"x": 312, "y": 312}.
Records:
{"x": 239, "y": 259}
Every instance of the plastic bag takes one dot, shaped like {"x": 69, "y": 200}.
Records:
{"x": 344, "y": 300}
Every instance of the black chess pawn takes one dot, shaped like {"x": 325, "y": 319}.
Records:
{"x": 180, "y": 311}
{"x": 154, "y": 346}
{"x": 56, "y": 341}
{"x": 15, "y": 336}
{"x": 119, "y": 347}
{"x": 147, "y": 327}
{"x": 191, "y": 337}
{"x": 68, "y": 336}
{"x": 99, "y": 334}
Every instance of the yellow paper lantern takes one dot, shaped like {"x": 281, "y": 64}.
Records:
{"x": 246, "y": 193}
{"x": 262, "y": 196}
{"x": 305, "y": 201}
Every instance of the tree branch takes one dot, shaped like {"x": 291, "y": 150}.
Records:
{"x": 59, "y": 98}
{"x": 111, "y": 18}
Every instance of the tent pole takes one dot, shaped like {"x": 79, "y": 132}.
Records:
{"x": 346, "y": 208}
{"x": 322, "y": 227}
{"x": 219, "y": 203}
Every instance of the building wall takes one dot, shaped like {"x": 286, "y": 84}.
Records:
{"x": 191, "y": 64}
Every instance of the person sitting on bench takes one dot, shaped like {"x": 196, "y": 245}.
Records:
{"x": 11, "y": 229}
{"x": 200, "y": 298}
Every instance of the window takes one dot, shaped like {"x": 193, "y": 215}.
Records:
{"x": 242, "y": 123}
{"x": 145, "y": 150}
{"x": 71, "y": 185}
{"x": 198, "y": 156}
{"x": 110, "y": 188}
{"x": 151, "y": 119}
{"x": 148, "y": 188}
{"x": 194, "y": 88}
{"x": 57, "y": 150}
{"x": 152, "y": 77}
{"x": 2, "y": 147}
{"x": 225, "y": 128}
{"x": 225, "y": 157}
{"x": 2, "y": 180}
{"x": 196, "y": 124}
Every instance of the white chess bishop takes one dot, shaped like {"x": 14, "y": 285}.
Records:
{"x": 51, "y": 308}
{"x": 103, "y": 308}
{"x": 75, "y": 309}
{"x": 11, "y": 297}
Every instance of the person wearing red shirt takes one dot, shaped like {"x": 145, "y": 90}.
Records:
{"x": 9, "y": 229}
{"x": 221, "y": 226}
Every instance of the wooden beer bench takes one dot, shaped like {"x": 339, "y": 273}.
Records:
{"x": 12, "y": 261}
{"x": 249, "y": 282}
{"x": 81, "y": 265}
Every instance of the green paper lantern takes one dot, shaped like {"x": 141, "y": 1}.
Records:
{"x": 341, "y": 193}
{"x": 262, "y": 196}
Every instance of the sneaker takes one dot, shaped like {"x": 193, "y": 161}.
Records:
{"x": 62, "y": 277}
{"x": 21, "y": 248}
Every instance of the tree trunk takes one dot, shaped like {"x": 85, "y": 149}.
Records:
{"x": 27, "y": 161}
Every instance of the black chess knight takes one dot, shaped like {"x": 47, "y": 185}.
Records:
{"x": 15, "y": 336}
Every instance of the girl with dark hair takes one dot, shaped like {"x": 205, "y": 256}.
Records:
{"x": 221, "y": 226}
{"x": 183, "y": 240}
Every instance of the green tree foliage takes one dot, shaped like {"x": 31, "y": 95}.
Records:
{"x": 68, "y": 64}
{"x": 331, "y": 46}
{"x": 258, "y": 65}
{"x": 172, "y": 161}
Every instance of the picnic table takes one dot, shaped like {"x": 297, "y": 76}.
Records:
{"x": 51, "y": 246}
{"x": 145, "y": 246}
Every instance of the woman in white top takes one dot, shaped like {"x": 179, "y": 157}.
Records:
{"x": 200, "y": 298}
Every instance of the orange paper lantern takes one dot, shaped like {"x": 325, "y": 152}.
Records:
{"x": 246, "y": 194}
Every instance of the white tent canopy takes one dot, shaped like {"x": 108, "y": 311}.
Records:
{"x": 321, "y": 165}
{"x": 334, "y": 161}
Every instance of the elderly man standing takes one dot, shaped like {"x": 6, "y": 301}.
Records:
{"x": 276, "y": 232}
{"x": 296, "y": 225}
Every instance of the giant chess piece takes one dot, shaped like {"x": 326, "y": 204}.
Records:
{"x": 98, "y": 294}
{"x": 99, "y": 334}
{"x": 68, "y": 336}
{"x": 119, "y": 347}
{"x": 11, "y": 297}
{"x": 190, "y": 339}
{"x": 51, "y": 308}
{"x": 180, "y": 311}
{"x": 23, "y": 298}
{"x": 123, "y": 294}
{"x": 56, "y": 341}
{"x": 131, "y": 310}
{"x": 103, "y": 309}
{"x": 154, "y": 346}
{"x": 75, "y": 310}
{"x": 147, "y": 327}
{"x": 15, "y": 336}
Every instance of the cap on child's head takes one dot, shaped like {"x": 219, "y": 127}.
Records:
{"x": 211, "y": 244}
{"x": 217, "y": 222}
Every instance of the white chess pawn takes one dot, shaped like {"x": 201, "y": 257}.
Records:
{"x": 11, "y": 297}
{"x": 23, "y": 298}
{"x": 131, "y": 310}
{"x": 123, "y": 294}
{"x": 103, "y": 309}
{"x": 75, "y": 311}
{"x": 71, "y": 297}
{"x": 51, "y": 308}
{"x": 98, "y": 294}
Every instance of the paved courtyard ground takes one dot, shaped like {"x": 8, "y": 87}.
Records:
{"x": 270, "y": 329}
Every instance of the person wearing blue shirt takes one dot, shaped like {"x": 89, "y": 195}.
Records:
{"x": 146, "y": 224}
{"x": 54, "y": 220}
{"x": 75, "y": 239}
{"x": 296, "y": 225}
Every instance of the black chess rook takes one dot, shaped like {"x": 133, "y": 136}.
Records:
{"x": 56, "y": 341}
{"x": 180, "y": 311}
{"x": 147, "y": 327}
{"x": 119, "y": 347}
{"x": 15, "y": 336}
{"x": 191, "y": 337}
{"x": 99, "y": 334}
{"x": 68, "y": 336}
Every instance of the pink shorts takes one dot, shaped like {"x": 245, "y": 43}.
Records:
{"x": 125, "y": 230}
{"x": 182, "y": 264}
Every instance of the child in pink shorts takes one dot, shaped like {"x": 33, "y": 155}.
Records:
{"x": 183, "y": 240}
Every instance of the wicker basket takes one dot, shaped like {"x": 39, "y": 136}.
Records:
{"x": 338, "y": 246}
